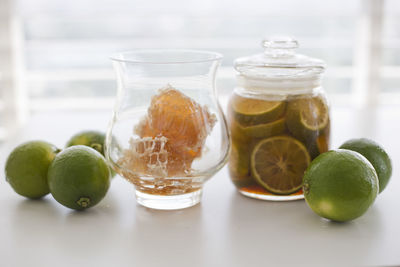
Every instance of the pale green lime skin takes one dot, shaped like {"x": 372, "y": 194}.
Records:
{"x": 340, "y": 185}
{"x": 93, "y": 139}
{"x": 79, "y": 177}
{"x": 27, "y": 166}
{"x": 374, "y": 154}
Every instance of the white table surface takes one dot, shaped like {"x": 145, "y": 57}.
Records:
{"x": 226, "y": 229}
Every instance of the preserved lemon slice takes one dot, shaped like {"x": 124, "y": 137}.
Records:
{"x": 247, "y": 133}
{"x": 278, "y": 164}
{"x": 307, "y": 116}
{"x": 250, "y": 111}
{"x": 239, "y": 165}
{"x": 320, "y": 144}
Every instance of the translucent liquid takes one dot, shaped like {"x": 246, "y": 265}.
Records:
{"x": 273, "y": 142}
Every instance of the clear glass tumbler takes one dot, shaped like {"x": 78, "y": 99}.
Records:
{"x": 168, "y": 134}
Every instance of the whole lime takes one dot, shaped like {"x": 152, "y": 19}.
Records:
{"x": 376, "y": 155}
{"x": 93, "y": 139}
{"x": 26, "y": 168}
{"x": 79, "y": 177}
{"x": 340, "y": 185}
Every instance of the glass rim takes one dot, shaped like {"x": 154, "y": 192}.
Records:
{"x": 208, "y": 56}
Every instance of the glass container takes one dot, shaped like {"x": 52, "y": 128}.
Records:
{"x": 279, "y": 121}
{"x": 167, "y": 135}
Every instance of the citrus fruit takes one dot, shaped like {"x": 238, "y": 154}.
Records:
{"x": 374, "y": 154}
{"x": 79, "y": 177}
{"x": 93, "y": 139}
{"x": 340, "y": 185}
{"x": 247, "y": 133}
{"x": 278, "y": 164}
{"x": 251, "y": 111}
{"x": 239, "y": 165}
{"x": 306, "y": 117}
{"x": 182, "y": 123}
{"x": 318, "y": 143}
{"x": 26, "y": 168}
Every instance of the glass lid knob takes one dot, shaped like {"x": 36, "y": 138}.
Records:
{"x": 279, "y": 46}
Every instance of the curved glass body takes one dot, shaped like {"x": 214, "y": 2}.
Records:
{"x": 279, "y": 121}
{"x": 168, "y": 134}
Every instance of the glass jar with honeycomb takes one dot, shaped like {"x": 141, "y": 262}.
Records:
{"x": 168, "y": 134}
{"x": 279, "y": 121}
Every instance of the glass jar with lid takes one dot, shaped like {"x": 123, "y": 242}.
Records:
{"x": 279, "y": 120}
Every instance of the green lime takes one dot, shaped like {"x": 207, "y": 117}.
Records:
{"x": 340, "y": 185}
{"x": 79, "y": 177}
{"x": 251, "y": 111}
{"x": 248, "y": 133}
{"x": 278, "y": 164}
{"x": 307, "y": 117}
{"x": 376, "y": 155}
{"x": 239, "y": 165}
{"x": 93, "y": 139}
{"x": 26, "y": 168}
{"x": 318, "y": 143}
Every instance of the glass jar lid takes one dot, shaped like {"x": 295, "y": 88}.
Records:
{"x": 279, "y": 61}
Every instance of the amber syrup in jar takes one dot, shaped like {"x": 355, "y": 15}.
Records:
{"x": 279, "y": 121}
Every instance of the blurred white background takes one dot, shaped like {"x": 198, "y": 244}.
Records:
{"x": 54, "y": 53}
